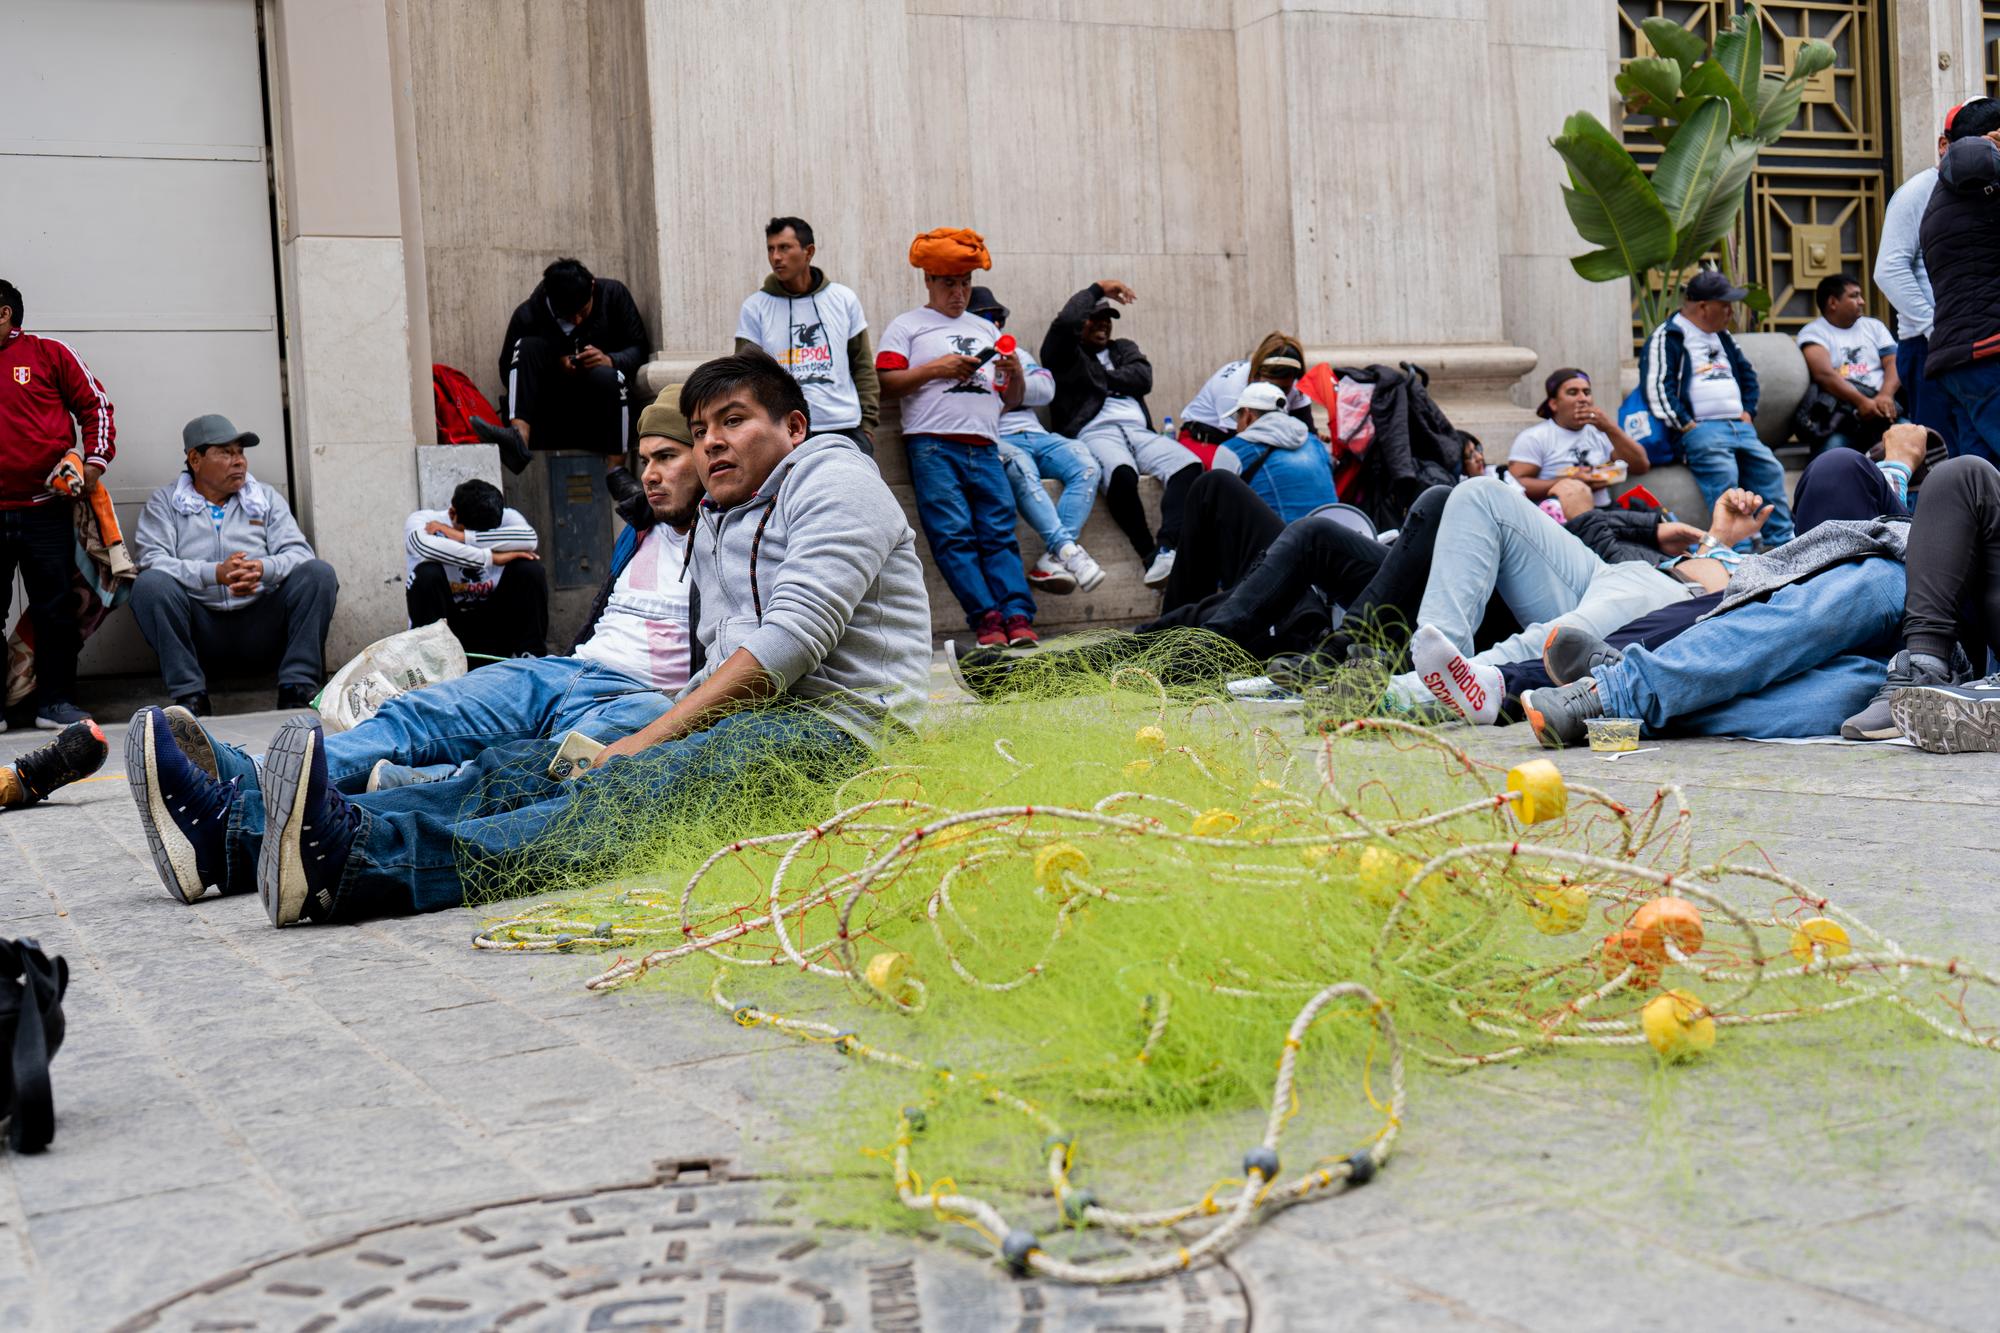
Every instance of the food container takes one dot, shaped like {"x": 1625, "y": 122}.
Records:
{"x": 1613, "y": 734}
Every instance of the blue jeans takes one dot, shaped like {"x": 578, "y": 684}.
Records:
{"x": 1722, "y": 454}
{"x": 1031, "y": 455}
{"x": 1797, "y": 664}
{"x": 1974, "y": 395}
{"x": 429, "y": 847}
{"x": 521, "y": 699}
{"x": 1924, "y": 402}
{"x": 966, "y": 507}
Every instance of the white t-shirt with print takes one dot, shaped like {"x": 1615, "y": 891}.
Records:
{"x": 1713, "y": 393}
{"x": 1552, "y": 450}
{"x": 808, "y": 336}
{"x": 644, "y": 631}
{"x": 944, "y": 407}
{"x": 1215, "y": 405}
{"x": 1118, "y": 410}
{"x": 1856, "y": 352}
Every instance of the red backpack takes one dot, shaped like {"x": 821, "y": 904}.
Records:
{"x": 458, "y": 401}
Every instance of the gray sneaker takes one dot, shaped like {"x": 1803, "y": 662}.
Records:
{"x": 1876, "y": 722}
{"x": 1950, "y": 719}
{"x": 1571, "y": 653}
{"x": 1558, "y": 715}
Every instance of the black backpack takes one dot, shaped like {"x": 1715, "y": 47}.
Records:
{"x": 31, "y": 1031}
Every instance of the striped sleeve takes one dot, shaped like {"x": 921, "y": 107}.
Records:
{"x": 1659, "y": 396}
{"x": 86, "y": 400}
{"x": 515, "y": 533}
{"x": 424, "y": 546}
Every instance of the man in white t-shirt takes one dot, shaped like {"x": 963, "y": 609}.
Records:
{"x": 1703, "y": 392}
{"x": 817, "y": 331}
{"x": 637, "y": 649}
{"x": 954, "y": 383}
{"x": 1210, "y": 416}
{"x": 1572, "y": 456}
{"x": 1852, "y": 359}
{"x": 456, "y": 570}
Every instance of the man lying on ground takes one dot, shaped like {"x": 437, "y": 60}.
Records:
{"x": 817, "y": 639}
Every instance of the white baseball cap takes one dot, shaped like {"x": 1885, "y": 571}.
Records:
{"x": 1260, "y": 397}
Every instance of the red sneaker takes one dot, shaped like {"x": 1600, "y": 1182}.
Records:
{"x": 1019, "y": 632}
{"x": 990, "y": 631}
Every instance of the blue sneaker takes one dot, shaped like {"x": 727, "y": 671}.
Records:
{"x": 184, "y": 811}
{"x": 59, "y": 716}
{"x": 308, "y": 827}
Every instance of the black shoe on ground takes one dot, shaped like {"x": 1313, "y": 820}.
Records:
{"x": 1558, "y": 715}
{"x": 184, "y": 811}
{"x": 1877, "y": 721}
{"x": 59, "y": 715}
{"x": 71, "y": 757}
{"x": 980, "y": 672}
{"x": 514, "y": 453}
{"x": 1571, "y": 654}
{"x": 196, "y": 703}
{"x": 1950, "y": 719}
{"x": 628, "y": 497}
{"x": 309, "y": 828}
{"x": 295, "y": 696}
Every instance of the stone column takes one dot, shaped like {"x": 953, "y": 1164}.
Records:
{"x": 1376, "y": 122}
{"x": 822, "y": 134}
{"x": 347, "y": 342}
{"x": 1937, "y": 59}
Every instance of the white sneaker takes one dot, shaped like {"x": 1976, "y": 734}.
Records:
{"x": 1078, "y": 562}
{"x": 1162, "y": 567}
{"x": 1048, "y": 575}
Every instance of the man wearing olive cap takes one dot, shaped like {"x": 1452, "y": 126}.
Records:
{"x": 225, "y": 575}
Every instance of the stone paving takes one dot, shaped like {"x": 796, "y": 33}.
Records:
{"x": 244, "y": 1114}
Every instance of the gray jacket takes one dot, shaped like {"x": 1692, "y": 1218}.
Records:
{"x": 817, "y": 575}
{"x": 1834, "y": 542}
{"x": 190, "y": 546}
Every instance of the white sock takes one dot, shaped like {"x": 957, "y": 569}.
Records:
{"x": 1472, "y": 688}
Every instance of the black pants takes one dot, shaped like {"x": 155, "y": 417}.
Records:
{"x": 1121, "y": 497}
{"x": 511, "y": 620}
{"x": 287, "y": 626}
{"x": 1648, "y": 631}
{"x": 1384, "y": 613}
{"x": 1954, "y": 561}
{"x": 40, "y": 541}
{"x": 1249, "y": 576}
{"x": 1842, "y": 484}
{"x": 567, "y": 409}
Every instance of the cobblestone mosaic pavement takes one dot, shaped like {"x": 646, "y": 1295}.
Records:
{"x": 360, "y": 1128}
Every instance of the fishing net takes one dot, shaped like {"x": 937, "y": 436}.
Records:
{"x": 1120, "y": 968}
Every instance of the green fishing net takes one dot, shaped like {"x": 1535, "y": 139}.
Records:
{"x": 1120, "y": 967}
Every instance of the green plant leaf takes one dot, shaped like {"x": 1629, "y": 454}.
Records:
{"x": 1721, "y": 203}
{"x": 1777, "y": 107}
{"x": 1654, "y": 78}
{"x": 1739, "y": 52}
{"x": 1674, "y": 42}
{"x": 1601, "y": 266}
{"x": 1611, "y": 201}
{"x": 1758, "y": 298}
{"x": 1682, "y": 178}
{"x": 1813, "y": 57}
{"x": 1707, "y": 81}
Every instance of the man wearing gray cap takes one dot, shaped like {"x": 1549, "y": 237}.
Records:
{"x": 225, "y": 575}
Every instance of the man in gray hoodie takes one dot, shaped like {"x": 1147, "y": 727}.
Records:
{"x": 816, "y": 630}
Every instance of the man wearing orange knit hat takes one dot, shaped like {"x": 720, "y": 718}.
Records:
{"x": 954, "y": 382}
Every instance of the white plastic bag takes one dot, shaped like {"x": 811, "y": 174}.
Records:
{"x": 386, "y": 668}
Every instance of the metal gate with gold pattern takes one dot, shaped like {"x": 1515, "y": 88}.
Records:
{"x": 1816, "y": 197}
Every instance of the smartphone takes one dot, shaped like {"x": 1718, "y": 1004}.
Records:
{"x": 577, "y": 755}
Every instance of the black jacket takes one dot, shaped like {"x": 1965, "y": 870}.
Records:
{"x": 1082, "y": 382}
{"x": 1617, "y": 535}
{"x": 1415, "y": 446}
{"x": 1960, "y": 236}
{"x": 614, "y": 328}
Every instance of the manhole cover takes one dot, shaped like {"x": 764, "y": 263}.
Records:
{"x": 691, "y": 1249}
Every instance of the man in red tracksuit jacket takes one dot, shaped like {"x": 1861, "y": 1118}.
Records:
{"x": 46, "y": 395}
